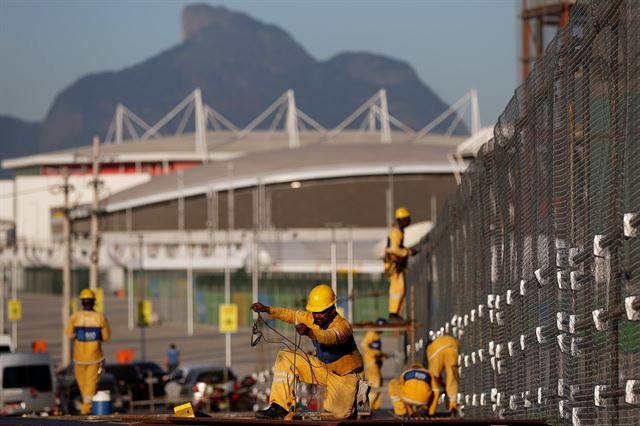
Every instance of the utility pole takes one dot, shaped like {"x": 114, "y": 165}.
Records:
{"x": 66, "y": 267}
{"x": 95, "y": 206}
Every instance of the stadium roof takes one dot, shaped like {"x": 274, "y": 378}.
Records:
{"x": 221, "y": 145}
{"x": 317, "y": 161}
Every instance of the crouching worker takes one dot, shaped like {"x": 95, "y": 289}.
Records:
{"x": 336, "y": 365}
{"x": 416, "y": 393}
{"x": 442, "y": 356}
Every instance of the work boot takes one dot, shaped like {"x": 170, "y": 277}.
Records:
{"x": 395, "y": 319}
{"x": 273, "y": 412}
{"x": 85, "y": 408}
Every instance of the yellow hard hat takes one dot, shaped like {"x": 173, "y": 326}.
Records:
{"x": 320, "y": 298}
{"x": 402, "y": 212}
{"x": 87, "y": 293}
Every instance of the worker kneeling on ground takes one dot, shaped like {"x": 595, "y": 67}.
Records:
{"x": 88, "y": 329}
{"x": 336, "y": 365}
{"x": 442, "y": 356}
{"x": 415, "y": 393}
{"x": 373, "y": 358}
{"x": 396, "y": 257}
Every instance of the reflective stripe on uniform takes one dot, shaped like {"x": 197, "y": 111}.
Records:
{"x": 439, "y": 350}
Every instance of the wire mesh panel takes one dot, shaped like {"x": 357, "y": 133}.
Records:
{"x": 535, "y": 261}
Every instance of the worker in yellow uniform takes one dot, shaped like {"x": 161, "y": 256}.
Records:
{"x": 337, "y": 363}
{"x": 442, "y": 356}
{"x": 88, "y": 329}
{"x": 373, "y": 358}
{"x": 395, "y": 263}
{"x": 416, "y": 392}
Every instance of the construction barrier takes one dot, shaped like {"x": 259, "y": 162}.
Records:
{"x": 536, "y": 258}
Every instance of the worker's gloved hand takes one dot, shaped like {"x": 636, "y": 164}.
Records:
{"x": 302, "y": 329}
{"x": 259, "y": 307}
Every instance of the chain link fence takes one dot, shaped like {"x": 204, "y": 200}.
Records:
{"x": 536, "y": 258}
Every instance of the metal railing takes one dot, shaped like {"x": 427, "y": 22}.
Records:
{"x": 536, "y": 258}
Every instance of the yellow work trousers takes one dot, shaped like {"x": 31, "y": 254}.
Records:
{"x": 87, "y": 376}
{"x": 403, "y": 405}
{"x": 447, "y": 360}
{"x": 396, "y": 292}
{"x": 341, "y": 391}
{"x": 374, "y": 377}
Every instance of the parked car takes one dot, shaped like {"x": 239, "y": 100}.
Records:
{"x": 138, "y": 380}
{"x": 205, "y": 386}
{"x": 27, "y": 384}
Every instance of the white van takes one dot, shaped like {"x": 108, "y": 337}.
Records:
{"x": 26, "y": 384}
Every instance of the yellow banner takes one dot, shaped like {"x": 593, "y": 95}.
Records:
{"x": 228, "y": 318}
{"x": 14, "y": 310}
{"x": 144, "y": 313}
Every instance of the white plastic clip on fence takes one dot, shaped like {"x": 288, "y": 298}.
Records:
{"x": 575, "y": 348}
{"x": 420, "y": 344}
{"x": 499, "y": 348}
{"x": 500, "y": 318}
{"x": 512, "y": 402}
{"x": 446, "y": 327}
{"x": 541, "y": 396}
{"x": 466, "y": 320}
{"x": 510, "y": 347}
{"x": 483, "y": 399}
{"x": 561, "y": 319}
{"x": 573, "y": 252}
{"x": 562, "y": 410}
{"x": 494, "y": 394}
{"x": 499, "y": 397}
{"x": 564, "y": 342}
{"x": 501, "y": 366}
{"x": 496, "y": 303}
{"x": 572, "y": 323}
{"x": 629, "y": 230}
{"x": 525, "y": 397}
{"x": 459, "y": 321}
{"x": 481, "y": 354}
{"x": 574, "y": 277}
{"x": 474, "y": 400}
{"x": 473, "y": 358}
{"x": 473, "y": 315}
{"x": 632, "y": 314}
{"x": 480, "y": 310}
{"x": 632, "y": 392}
{"x": 539, "y": 334}
{"x": 490, "y": 299}
{"x": 597, "y": 249}
{"x": 491, "y": 315}
{"x": 467, "y": 399}
{"x": 466, "y": 360}
{"x": 523, "y": 290}
{"x": 492, "y": 348}
{"x": 509, "y": 297}
{"x": 598, "y": 399}
{"x": 542, "y": 281}
{"x": 493, "y": 363}
{"x": 560, "y": 387}
{"x": 563, "y": 281}
{"x": 576, "y": 416}
{"x": 523, "y": 342}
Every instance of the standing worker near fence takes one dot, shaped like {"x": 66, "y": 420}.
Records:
{"x": 337, "y": 363}
{"x": 415, "y": 393}
{"x": 442, "y": 356}
{"x": 172, "y": 358}
{"x": 88, "y": 329}
{"x": 396, "y": 257}
{"x": 373, "y": 358}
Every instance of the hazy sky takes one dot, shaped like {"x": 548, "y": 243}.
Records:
{"x": 454, "y": 45}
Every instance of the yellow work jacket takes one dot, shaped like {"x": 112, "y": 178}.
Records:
{"x": 420, "y": 388}
{"x": 334, "y": 342}
{"x": 441, "y": 343}
{"x": 396, "y": 255}
{"x": 88, "y": 329}
{"x": 372, "y": 349}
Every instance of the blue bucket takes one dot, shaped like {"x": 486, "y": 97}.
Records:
{"x": 101, "y": 404}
